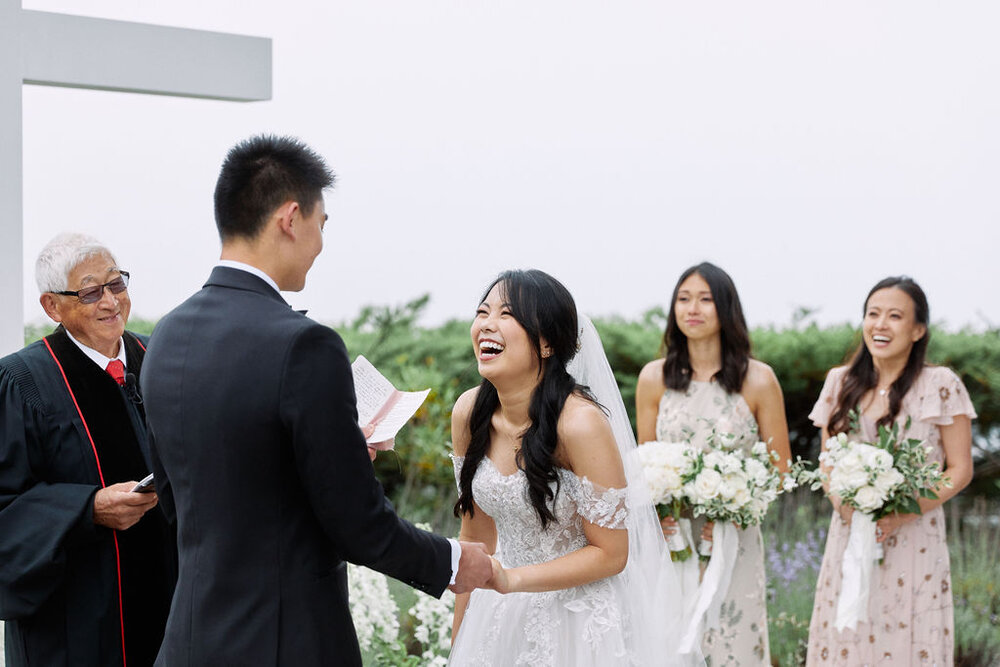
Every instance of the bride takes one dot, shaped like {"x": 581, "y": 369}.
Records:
{"x": 546, "y": 481}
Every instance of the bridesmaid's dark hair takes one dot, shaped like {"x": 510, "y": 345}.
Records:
{"x": 545, "y": 309}
{"x": 733, "y": 331}
{"x": 861, "y": 374}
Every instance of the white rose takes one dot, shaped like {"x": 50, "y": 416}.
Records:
{"x": 714, "y": 459}
{"x": 706, "y": 484}
{"x": 731, "y": 463}
{"x": 758, "y": 472}
{"x": 868, "y": 499}
{"x": 758, "y": 507}
{"x": 888, "y": 480}
{"x": 671, "y": 481}
{"x": 881, "y": 459}
{"x": 759, "y": 449}
{"x": 850, "y": 462}
{"x": 847, "y": 480}
{"x": 741, "y": 498}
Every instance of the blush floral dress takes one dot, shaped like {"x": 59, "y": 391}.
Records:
{"x": 910, "y": 604}
{"x": 706, "y": 416}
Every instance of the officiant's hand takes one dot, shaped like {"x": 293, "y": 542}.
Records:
{"x": 116, "y": 507}
{"x": 475, "y": 568}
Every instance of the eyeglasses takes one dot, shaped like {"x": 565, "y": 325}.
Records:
{"x": 94, "y": 293}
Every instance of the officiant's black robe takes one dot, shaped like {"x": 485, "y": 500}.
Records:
{"x": 73, "y": 592}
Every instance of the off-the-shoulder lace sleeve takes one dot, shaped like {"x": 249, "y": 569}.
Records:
{"x": 604, "y": 507}
{"x": 827, "y": 401}
{"x": 943, "y": 397}
{"x": 457, "y": 462}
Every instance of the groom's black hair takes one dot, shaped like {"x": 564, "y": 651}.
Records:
{"x": 545, "y": 309}
{"x": 259, "y": 175}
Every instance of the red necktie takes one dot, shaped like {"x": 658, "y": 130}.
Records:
{"x": 116, "y": 369}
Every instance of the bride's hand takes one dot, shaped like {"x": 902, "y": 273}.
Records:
{"x": 500, "y": 581}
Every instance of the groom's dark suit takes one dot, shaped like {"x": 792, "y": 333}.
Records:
{"x": 259, "y": 458}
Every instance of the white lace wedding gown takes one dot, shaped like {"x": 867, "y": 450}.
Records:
{"x": 586, "y": 625}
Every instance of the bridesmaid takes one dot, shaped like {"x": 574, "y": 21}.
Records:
{"x": 709, "y": 390}
{"x": 888, "y": 381}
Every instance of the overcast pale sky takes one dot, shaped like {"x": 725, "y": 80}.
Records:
{"x": 808, "y": 148}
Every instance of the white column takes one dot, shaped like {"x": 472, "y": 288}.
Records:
{"x": 11, "y": 189}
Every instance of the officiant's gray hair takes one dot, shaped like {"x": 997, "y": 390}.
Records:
{"x": 61, "y": 255}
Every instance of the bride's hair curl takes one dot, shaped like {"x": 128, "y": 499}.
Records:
{"x": 546, "y": 310}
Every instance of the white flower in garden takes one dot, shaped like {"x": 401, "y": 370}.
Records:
{"x": 373, "y": 610}
{"x": 868, "y": 499}
{"x": 706, "y": 485}
{"x": 433, "y": 627}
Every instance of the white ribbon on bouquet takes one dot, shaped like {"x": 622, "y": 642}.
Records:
{"x": 856, "y": 572}
{"x": 688, "y": 571}
{"x": 714, "y": 585}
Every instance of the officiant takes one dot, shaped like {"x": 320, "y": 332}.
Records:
{"x": 87, "y": 566}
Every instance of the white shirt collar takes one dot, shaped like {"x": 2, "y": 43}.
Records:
{"x": 96, "y": 356}
{"x": 233, "y": 264}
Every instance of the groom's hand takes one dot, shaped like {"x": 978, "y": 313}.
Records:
{"x": 475, "y": 567}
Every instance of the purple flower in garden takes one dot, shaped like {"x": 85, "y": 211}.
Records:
{"x": 788, "y": 561}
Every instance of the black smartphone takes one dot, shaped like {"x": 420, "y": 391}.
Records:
{"x": 146, "y": 485}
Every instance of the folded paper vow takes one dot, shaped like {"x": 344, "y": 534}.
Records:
{"x": 381, "y": 404}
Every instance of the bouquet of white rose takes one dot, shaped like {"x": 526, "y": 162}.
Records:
{"x": 880, "y": 478}
{"x": 666, "y": 467}
{"x": 876, "y": 479}
{"x": 733, "y": 489}
{"x": 730, "y": 486}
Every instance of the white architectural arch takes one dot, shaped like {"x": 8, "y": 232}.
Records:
{"x": 46, "y": 49}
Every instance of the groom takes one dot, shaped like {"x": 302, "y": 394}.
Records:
{"x": 257, "y": 452}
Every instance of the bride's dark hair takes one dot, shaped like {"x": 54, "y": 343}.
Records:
{"x": 545, "y": 309}
{"x": 861, "y": 374}
{"x": 733, "y": 331}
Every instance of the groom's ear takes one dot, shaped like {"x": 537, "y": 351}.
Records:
{"x": 287, "y": 217}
